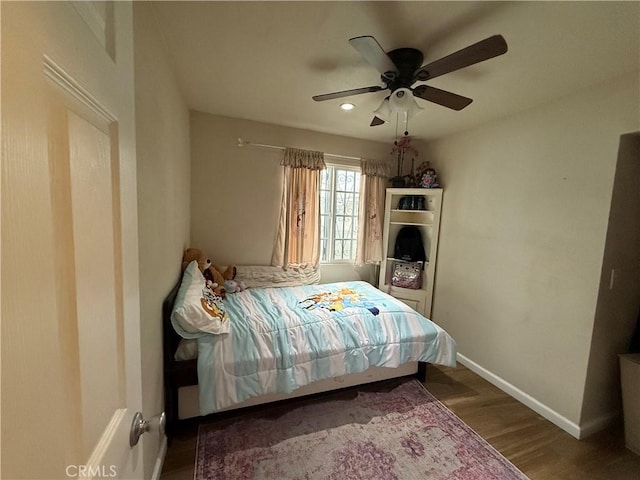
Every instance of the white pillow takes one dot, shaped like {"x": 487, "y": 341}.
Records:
{"x": 197, "y": 308}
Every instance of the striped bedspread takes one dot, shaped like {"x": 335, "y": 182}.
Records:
{"x": 287, "y": 337}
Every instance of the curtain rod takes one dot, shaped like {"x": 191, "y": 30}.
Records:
{"x": 245, "y": 143}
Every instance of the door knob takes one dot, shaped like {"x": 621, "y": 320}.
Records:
{"x": 138, "y": 427}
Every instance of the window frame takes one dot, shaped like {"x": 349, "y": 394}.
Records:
{"x": 332, "y": 213}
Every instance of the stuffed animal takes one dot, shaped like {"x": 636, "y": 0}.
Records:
{"x": 233, "y": 286}
{"x": 220, "y": 276}
{"x": 191, "y": 254}
{"x": 213, "y": 274}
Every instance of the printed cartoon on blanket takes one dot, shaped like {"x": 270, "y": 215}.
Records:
{"x": 212, "y": 303}
{"x": 338, "y": 300}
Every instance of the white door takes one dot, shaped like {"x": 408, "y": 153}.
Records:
{"x": 70, "y": 305}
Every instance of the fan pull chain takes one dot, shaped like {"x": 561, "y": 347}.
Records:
{"x": 397, "y": 127}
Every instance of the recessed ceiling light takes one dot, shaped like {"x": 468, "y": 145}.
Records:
{"x": 347, "y": 106}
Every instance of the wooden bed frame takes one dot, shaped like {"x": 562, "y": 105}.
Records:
{"x": 178, "y": 374}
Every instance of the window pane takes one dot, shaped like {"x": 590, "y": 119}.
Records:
{"x": 337, "y": 249}
{"x": 339, "y": 229}
{"x": 347, "y": 227}
{"x": 340, "y": 180}
{"x": 324, "y": 178}
{"x": 349, "y": 207}
{"x": 350, "y": 181}
{"x": 346, "y": 249}
{"x": 325, "y": 202}
{"x": 339, "y": 203}
{"x": 340, "y": 199}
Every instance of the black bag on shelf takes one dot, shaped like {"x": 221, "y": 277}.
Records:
{"x": 409, "y": 245}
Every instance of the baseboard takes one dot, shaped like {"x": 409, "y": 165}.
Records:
{"x": 157, "y": 469}
{"x": 540, "y": 408}
{"x": 600, "y": 423}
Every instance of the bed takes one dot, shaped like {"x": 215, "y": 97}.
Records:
{"x": 273, "y": 343}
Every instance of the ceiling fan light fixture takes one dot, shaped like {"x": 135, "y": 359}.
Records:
{"x": 347, "y": 106}
{"x": 383, "y": 112}
{"x": 414, "y": 109}
{"x": 402, "y": 101}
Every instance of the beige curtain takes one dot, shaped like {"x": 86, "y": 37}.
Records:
{"x": 298, "y": 235}
{"x": 373, "y": 182}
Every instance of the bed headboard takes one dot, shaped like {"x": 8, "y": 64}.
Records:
{"x": 176, "y": 374}
{"x": 170, "y": 339}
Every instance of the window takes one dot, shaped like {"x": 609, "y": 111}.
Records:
{"x": 339, "y": 200}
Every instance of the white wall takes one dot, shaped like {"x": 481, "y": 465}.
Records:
{"x": 236, "y": 192}
{"x": 524, "y": 222}
{"x": 162, "y": 135}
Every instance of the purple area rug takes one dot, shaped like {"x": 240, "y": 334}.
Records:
{"x": 405, "y": 433}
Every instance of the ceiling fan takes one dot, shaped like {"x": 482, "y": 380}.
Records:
{"x": 401, "y": 68}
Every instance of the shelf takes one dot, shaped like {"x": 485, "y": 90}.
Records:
{"x": 408, "y": 293}
{"x": 404, "y": 210}
{"x": 427, "y": 221}
{"x": 391, "y": 259}
{"x": 418, "y": 218}
{"x": 416, "y": 224}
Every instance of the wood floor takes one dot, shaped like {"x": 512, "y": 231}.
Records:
{"x": 537, "y": 447}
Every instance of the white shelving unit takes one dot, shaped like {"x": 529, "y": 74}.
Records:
{"x": 428, "y": 221}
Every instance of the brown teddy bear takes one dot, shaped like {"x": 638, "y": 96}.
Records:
{"x": 211, "y": 272}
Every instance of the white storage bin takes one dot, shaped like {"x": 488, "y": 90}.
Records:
{"x": 630, "y": 380}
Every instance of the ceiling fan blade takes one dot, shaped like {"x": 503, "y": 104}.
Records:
{"x": 347, "y": 93}
{"x": 478, "y": 52}
{"x": 441, "y": 97}
{"x": 376, "y": 121}
{"x": 374, "y": 54}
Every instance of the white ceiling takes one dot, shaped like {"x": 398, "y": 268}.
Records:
{"x": 264, "y": 60}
